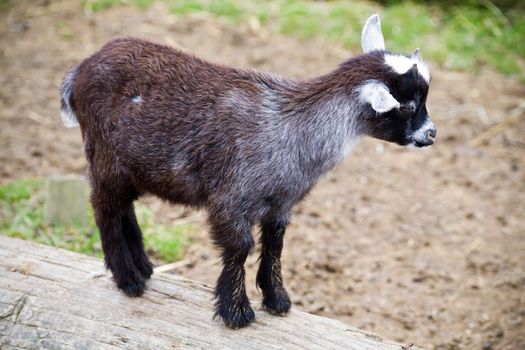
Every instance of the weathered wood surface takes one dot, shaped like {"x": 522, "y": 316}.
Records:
{"x": 56, "y": 299}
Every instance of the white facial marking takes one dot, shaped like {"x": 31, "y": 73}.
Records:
{"x": 136, "y": 99}
{"x": 421, "y": 133}
{"x": 372, "y": 37}
{"x": 401, "y": 64}
{"x": 378, "y": 95}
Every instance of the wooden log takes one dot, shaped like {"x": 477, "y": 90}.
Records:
{"x": 56, "y": 299}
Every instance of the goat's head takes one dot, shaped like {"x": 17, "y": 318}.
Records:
{"x": 396, "y": 93}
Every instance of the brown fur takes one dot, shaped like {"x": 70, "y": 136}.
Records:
{"x": 246, "y": 146}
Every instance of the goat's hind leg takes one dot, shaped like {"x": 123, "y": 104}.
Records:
{"x": 269, "y": 278}
{"x": 232, "y": 305}
{"x": 135, "y": 242}
{"x": 111, "y": 205}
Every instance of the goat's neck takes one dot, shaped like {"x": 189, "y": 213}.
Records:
{"x": 327, "y": 118}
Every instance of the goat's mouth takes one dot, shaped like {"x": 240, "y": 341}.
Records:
{"x": 419, "y": 144}
{"x": 426, "y": 143}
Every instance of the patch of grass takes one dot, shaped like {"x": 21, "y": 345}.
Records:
{"x": 22, "y": 216}
{"x": 481, "y": 36}
{"x": 21, "y": 190}
{"x": 459, "y": 36}
{"x": 99, "y": 5}
{"x": 233, "y": 10}
{"x": 162, "y": 241}
{"x": 226, "y": 8}
{"x": 6, "y": 5}
{"x": 187, "y": 6}
{"x": 297, "y": 17}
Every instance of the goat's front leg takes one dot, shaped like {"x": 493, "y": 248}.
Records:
{"x": 269, "y": 279}
{"x": 232, "y": 305}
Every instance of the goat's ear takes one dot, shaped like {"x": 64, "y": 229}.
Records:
{"x": 372, "y": 37}
{"x": 416, "y": 55}
{"x": 378, "y": 96}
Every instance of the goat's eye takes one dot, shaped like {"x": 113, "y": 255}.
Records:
{"x": 409, "y": 107}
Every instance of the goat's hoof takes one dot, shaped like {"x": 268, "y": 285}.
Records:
{"x": 237, "y": 317}
{"x": 145, "y": 268}
{"x": 133, "y": 288}
{"x": 277, "y": 303}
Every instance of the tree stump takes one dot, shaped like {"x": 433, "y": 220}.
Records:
{"x": 66, "y": 201}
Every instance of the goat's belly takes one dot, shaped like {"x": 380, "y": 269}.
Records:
{"x": 178, "y": 195}
{"x": 179, "y": 188}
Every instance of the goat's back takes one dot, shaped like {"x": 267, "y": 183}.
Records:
{"x": 168, "y": 120}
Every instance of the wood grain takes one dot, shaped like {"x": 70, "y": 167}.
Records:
{"x": 56, "y": 299}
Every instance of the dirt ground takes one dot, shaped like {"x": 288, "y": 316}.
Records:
{"x": 420, "y": 247}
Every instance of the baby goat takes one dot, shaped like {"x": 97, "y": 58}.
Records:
{"x": 247, "y": 146}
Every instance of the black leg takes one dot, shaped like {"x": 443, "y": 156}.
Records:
{"x": 111, "y": 204}
{"x": 135, "y": 243}
{"x": 232, "y": 303}
{"x": 269, "y": 279}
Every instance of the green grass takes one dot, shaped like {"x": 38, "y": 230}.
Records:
{"x": 99, "y": 5}
{"x": 5, "y": 5}
{"x": 22, "y": 215}
{"x": 463, "y": 37}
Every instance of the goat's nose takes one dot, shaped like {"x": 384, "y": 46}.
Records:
{"x": 431, "y": 134}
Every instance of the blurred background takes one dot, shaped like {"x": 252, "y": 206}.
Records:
{"x": 421, "y": 247}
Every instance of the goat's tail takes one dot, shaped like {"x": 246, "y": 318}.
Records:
{"x": 67, "y": 114}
